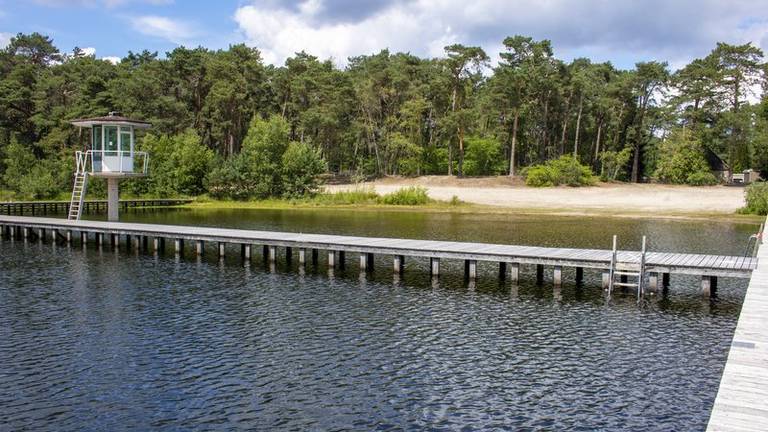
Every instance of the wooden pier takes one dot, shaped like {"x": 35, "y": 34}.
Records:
{"x": 742, "y": 399}
{"x": 658, "y": 265}
{"x": 42, "y": 208}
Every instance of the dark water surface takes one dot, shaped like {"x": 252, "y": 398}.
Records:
{"x": 96, "y": 340}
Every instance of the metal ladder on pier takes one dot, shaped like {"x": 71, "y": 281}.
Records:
{"x": 79, "y": 189}
{"x": 627, "y": 270}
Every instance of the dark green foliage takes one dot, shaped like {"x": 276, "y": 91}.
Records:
{"x": 301, "y": 168}
{"x": 178, "y": 164}
{"x": 268, "y": 166}
{"x": 383, "y": 114}
{"x": 565, "y": 170}
{"x": 756, "y": 195}
{"x": 483, "y": 157}
{"x": 681, "y": 161}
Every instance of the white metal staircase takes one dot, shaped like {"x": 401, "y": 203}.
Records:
{"x": 79, "y": 188}
{"x": 626, "y": 269}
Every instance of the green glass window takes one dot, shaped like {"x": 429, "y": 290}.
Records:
{"x": 110, "y": 139}
{"x": 96, "y": 138}
{"x": 125, "y": 139}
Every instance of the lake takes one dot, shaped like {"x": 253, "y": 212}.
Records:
{"x": 97, "y": 340}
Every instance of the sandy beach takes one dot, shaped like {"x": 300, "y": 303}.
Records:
{"x": 604, "y": 198}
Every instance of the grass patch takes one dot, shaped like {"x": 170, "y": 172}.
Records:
{"x": 412, "y": 196}
{"x": 756, "y": 196}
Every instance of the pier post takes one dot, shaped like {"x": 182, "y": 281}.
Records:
{"x": 272, "y": 254}
{"x": 178, "y": 246}
{"x": 41, "y": 234}
{"x": 579, "y": 275}
{"x": 398, "y": 262}
{"x": 83, "y": 238}
{"x": 302, "y": 257}
{"x": 245, "y": 252}
{"x": 434, "y": 266}
{"x": 199, "y": 247}
{"x": 222, "y": 249}
{"x": 653, "y": 282}
{"x": 606, "y": 280}
{"x": 709, "y": 286}
{"x": 69, "y": 237}
{"x": 470, "y": 269}
{"x": 137, "y": 243}
{"x": 114, "y": 240}
{"x": 113, "y": 194}
{"x": 364, "y": 261}
{"x": 13, "y": 232}
{"x": 331, "y": 259}
{"x": 514, "y": 272}
{"x": 557, "y": 275}
{"x": 539, "y": 273}
{"x": 156, "y": 244}
{"x": 26, "y": 234}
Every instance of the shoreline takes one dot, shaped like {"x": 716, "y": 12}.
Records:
{"x": 466, "y": 208}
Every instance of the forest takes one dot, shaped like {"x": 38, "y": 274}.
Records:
{"x": 227, "y": 124}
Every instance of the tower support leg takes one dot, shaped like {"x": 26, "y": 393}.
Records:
{"x": 113, "y": 200}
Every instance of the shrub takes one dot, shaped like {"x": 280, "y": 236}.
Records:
{"x": 412, "y": 195}
{"x": 540, "y": 176}
{"x": 701, "y": 179}
{"x": 681, "y": 160}
{"x": 483, "y": 157}
{"x": 614, "y": 163}
{"x": 178, "y": 164}
{"x": 564, "y": 170}
{"x": 359, "y": 195}
{"x": 301, "y": 168}
{"x": 756, "y": 195}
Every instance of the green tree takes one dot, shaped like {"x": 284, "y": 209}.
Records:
{"x": 301, "y": 169}
{"x": 178, "y": 164}
{"x": 681, "y": 160}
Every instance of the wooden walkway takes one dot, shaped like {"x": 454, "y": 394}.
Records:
{"x": 43, "y": 208}
{"x": 509, "y": 256}
{"x": 742, "y": 399}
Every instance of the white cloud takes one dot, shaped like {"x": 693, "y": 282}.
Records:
{"x": 89, "y": 51}
{"x": 176, "y": 31}
{"x": 112, "y": 59}
{"x": 620, "y": 31}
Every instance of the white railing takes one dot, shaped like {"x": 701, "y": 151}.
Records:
{"x": 111, "y": 161}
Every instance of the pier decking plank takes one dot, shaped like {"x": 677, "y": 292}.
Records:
{"x": 742, "y": 398}
{"x": 696, "y": 264}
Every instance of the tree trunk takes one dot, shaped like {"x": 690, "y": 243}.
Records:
{"x": 578, "y": 128}
{"x": 636, "y": 164}
{"x": 460, "y": 133}
{"x": 514, "y": 144}
{"x": 597, "y": 140}
{"x": 565, "y": 122}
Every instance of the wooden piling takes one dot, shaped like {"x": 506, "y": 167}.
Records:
{"x": 434, "y": 266}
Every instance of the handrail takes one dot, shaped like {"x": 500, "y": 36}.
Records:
{"x": 85, "y": 158}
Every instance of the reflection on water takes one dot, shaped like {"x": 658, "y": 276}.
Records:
{"x": 94, "y": 340}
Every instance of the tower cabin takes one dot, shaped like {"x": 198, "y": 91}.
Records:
{"x": 111, "y": 155}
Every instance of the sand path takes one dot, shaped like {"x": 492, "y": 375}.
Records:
{"x": 621, "y": 198}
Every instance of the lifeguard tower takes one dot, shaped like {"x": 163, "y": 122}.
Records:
{"x": 111, "y": 155}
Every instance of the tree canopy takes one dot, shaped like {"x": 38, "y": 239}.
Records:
{"x": 385, "y": 113}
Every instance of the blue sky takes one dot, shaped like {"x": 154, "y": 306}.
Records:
{"x": 621, "y": 31}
